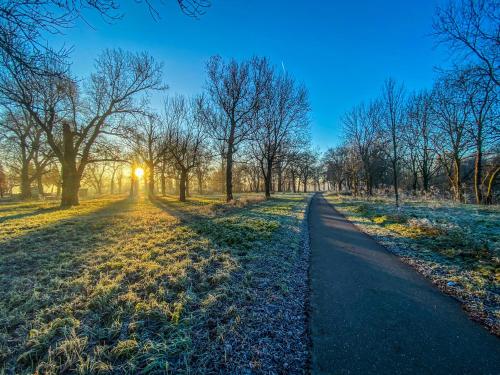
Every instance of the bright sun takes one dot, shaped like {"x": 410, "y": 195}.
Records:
{"x": 139, "y": 172}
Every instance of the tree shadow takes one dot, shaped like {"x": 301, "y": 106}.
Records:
{"x": 43, "y": 247}
{"x": 24, "y": 215}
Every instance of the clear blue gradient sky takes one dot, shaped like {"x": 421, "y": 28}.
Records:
{"x": 342, "y": 50}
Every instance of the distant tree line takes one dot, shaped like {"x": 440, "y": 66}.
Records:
{"x": 445, "y": 138}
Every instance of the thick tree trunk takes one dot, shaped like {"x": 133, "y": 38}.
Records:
{"x": 182, "y": 186}
{"x": 70, "y": 184}
{"x": 70, "y": 176}
{"x": 39, "y": 185}
{"x": 294, "y": 187}
{"x": 25, "y": 182}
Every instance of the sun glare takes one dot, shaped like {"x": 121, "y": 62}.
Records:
{"x": 139, "y": 172}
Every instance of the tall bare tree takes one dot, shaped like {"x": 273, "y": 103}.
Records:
{"x": 282, "y": 118}
{"x": 418, "y": 137}
{"x": 235, "y": 90}
{"x": 452, "y": 115}
{"x": 184, "y": 137}
{"x": 363, "y": 130}
{"x": 393, "y": 97}
{"x": 481, "y": 96}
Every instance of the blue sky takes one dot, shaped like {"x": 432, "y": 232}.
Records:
{"x": 341, "y": 50}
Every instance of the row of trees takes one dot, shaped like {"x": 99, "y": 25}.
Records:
{"x": 446, "y": 137}
{"x": 60, "y": 130}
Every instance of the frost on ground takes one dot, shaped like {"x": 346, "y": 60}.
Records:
{"x": 121, "y": 286}
{"x": 456, "y": 246}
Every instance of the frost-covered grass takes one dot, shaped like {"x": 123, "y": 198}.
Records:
{"x": 124, "y": 286}
{"x": 457, "y": 246}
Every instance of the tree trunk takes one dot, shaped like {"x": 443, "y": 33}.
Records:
{"x": 39, "y": 185}
{"x": 70, "y": 184}
{"x": 70, "y": 176}
{"x": 25, "y": 182}
{"x": 457, "y": 181}
{"x": 151, "y": 177}
{"x": 280, "y": 178}
{"x": 163, "y": 182}
{"x": 229, "y": 174}
{"x": 182, "y": 186}
{"x": 478, "y": 173}
{"x": 268, "y": 179}
{"x": 294, "y": 187}
{"x": 425, "y": 176}
{"x": 491, "y": 181}
{"x": 395, "y": 168}
{"x": 369, "y": 185}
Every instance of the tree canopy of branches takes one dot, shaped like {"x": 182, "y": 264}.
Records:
{"x": 71, "y": 117}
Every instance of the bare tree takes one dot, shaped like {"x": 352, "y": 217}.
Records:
{"x": 32, "y": 153}
{"x": 452, "y": 115}
{"x": 363, "y": 130}
{"x": 184, "y": 138}
{"x": 24, "y": 23}
{"x": 481, "y": 96}
{"x": 282, "y": 118}
{"x": 418, "y": 136}
{"x": 147, "y": 135}
{"x": 470, "y": 29}
{"x": 235, "y": 90}
{"x": 73, "y": 121}
{"x": 393, "y": 97}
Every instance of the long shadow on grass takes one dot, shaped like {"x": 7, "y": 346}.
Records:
{"x": 236, "y": 228}
{"x": 24, "y": 215}
{"x": 48, "y": 246}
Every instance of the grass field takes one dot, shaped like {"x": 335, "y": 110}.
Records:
{"x": 124, "y": 286}
{"x": 456, "y": 246}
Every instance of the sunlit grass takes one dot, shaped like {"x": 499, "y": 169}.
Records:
{"x": 118, "y": 285}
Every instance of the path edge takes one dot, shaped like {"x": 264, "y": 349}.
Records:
{"x": 306, "y": 250}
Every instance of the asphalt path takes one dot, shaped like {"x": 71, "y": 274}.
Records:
{"x": 372, "y": 314}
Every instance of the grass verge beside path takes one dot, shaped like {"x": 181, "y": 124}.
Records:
{"x": 455, "y": 246}
{"x": 121, "y": 286}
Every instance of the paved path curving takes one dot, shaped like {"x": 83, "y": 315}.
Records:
{"x": 372, "y": 314}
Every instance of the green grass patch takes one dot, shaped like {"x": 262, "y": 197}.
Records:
{"x": 121, "y": 286}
